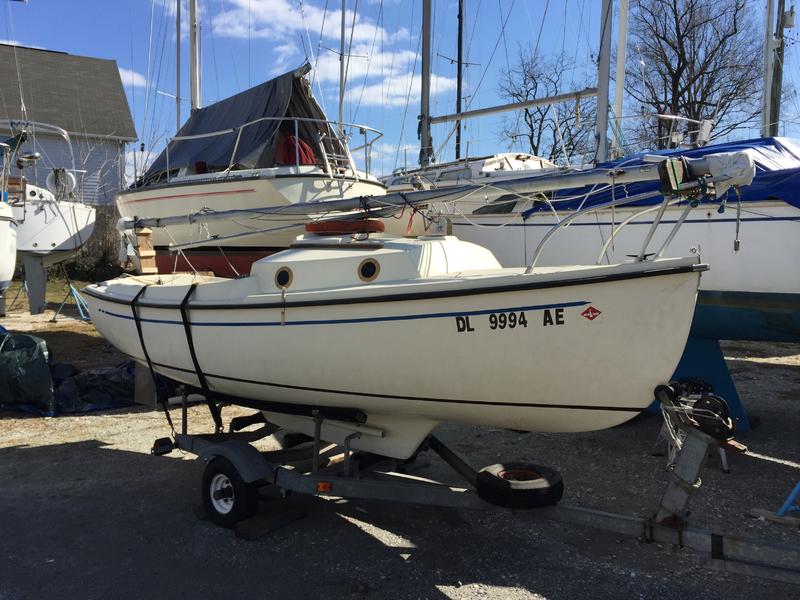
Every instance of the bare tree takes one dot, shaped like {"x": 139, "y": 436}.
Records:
{"x": 552, "y": 131}
{"x": 699, "y": 59}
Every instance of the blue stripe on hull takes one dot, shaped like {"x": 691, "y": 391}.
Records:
{"x": 468, "y": 313}
{"x": 751, "y": 316}
{"x": 532, "y": 222}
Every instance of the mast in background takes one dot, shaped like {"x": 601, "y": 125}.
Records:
{"x": 785, "y": 21}
{"x": 178, "y": 65}
{"x": 769, "y": 40}
{"x": 341, "y": 67}
{"x": 194, "y": 38}
{"x": 619, "y": 89}
{"x": 426, "y": 142}
{"x": 603, "y": 76}
{"x": 460, "y": 62}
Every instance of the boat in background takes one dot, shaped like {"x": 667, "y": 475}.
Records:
{"x": 53, "y": 223}
{"x": 266, "y": 147}
{"x": 753, "y": 290}
{"x": 8, "y": 250}
{"x": 49, "y": 230}
{"x": 472, "y": 170}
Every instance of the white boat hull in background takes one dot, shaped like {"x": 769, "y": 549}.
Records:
{"x": 51, "y": 229}
{"x": 765, "y": 262}
{"x": 246, "y": 190}
{"x": 8, "y": 246}
{"x": 588, "y": 345}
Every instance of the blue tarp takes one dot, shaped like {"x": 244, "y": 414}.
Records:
{"x": 777, "y": 177}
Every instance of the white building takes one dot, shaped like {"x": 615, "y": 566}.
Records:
{"x": 83, "y": 96}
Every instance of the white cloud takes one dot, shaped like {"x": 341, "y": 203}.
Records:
{"x": 381, "y": 61}
{"x": 132, "y": 78}
{"x": 394, "y": 91}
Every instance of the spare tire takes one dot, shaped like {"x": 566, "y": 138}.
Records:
{"x": 519, "y": 485}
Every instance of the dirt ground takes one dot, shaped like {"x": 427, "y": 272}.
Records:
{"x": 87, "y": 512}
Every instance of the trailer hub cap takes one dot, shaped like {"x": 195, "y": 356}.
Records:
{"x": 221, "y": 494}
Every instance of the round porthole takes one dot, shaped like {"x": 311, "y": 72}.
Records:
{"x": 283, "y": 278}
{"x": 368, "y": 269}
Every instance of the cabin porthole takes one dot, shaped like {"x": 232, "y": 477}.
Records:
{"x": 283, "y": 277}
{"x": 368, "y": 269}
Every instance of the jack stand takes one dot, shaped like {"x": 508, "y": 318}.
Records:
{"x": 35, "y": 282}
{"x": 23, "y": 289}
{"x": 789, "y": 505}
{"x": 80, "y": 304}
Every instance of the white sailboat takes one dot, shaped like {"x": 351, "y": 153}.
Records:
{"x": 411, "y": 332}
{"x": 8, "y": 246}
{"x": 49, "y": 229}
{"x": 448, "y": 323}
{"x": 52, "y": 223}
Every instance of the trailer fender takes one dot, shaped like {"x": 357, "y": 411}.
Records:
{"x": 247, "y": 460}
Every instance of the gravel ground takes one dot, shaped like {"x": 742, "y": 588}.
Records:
{"x": 87, "y": 512}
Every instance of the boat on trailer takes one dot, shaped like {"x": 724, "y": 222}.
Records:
{"x": 448, "y": 324}
{"x": 400, "y": 334}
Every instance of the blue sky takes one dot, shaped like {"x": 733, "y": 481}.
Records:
{"x": 248, "y": 41}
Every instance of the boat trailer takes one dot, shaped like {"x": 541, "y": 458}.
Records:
{"x": 235, "y": 470}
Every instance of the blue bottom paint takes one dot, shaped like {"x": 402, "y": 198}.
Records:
{"x": 747, "y": 316}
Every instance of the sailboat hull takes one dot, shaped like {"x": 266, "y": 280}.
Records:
{"x": 8, "y": 246}
{"x": 53, "y": 230}
{"x": 267, "y": 188}
{"x": 751, "y": 294}
{"x": 586, "y": 348}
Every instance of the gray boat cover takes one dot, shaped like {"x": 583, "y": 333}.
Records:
{"x": 285, "y": 96}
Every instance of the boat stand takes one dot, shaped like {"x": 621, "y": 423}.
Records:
{"x": 35, "y": 282}
{"x": 330, "y": 470}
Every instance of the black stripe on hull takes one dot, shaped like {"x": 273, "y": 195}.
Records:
{"x": 530, "y": 285}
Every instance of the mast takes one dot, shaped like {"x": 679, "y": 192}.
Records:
{"x": 776, "y": 89}
{"x": 194, "y": 40}
{"x": 459, "y": 74}
{"x": 178, "y": 66}
{"x": 341, "y": 68}
{"x": 425, "y": 140}
{"x": 603, "y": 76}
{"x": 619, "y": 89}
{"x": 766, "y": 104}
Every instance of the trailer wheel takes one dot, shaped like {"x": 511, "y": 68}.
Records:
{"x": 226, "y": 497}
{"x": 519, "y": 485}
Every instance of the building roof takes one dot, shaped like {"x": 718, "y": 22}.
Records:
{"x": 80, "y": 94}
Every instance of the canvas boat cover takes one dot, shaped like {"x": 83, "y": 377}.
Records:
{"x": 777, "y": 162}
{"x": 286, "y": 96}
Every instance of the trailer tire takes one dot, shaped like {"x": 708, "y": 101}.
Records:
{"x": 227, "y": 498}
{"x": 519, "y": 485}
